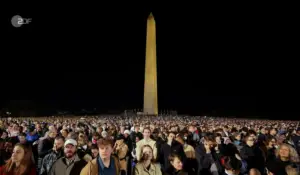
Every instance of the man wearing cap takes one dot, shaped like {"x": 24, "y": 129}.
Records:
{"x": 70, "y": 164}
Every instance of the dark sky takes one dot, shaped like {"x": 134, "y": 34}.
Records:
{"x": 226, "y": 59}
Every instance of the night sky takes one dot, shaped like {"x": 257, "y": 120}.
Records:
{"x": 227, "y": 60}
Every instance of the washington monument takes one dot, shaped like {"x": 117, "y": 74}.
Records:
{"x": 150, "y": 85}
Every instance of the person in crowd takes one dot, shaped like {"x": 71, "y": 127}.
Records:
{"x": 208, "y": 162}
{"x": 6, "y": 152}
{"x": 49, "y": 159}
{"x": 45, "y": 147}
{"x": 168, "y": 148}
{"x": 70, "y": 163}
{"x": 194, "y": 135}
{"x": 146, "y": 163}
{"x": 273, "y": 132}
{"x": 105, "y": 163}
{"x": 64, "y": 133}
{"x": 146, "y": 141}
{"x": 31, "y": 135}
{"x": 232, "y": 165}
{"x": 135, "y": 132}
{"x": 296, "y": 140}
{"x": 176, "y": 167}
{"x": 285, "y": 155}
{"x": 225, "y": 137}
{"x": 121, "y": 150}
{"x": 20, "y": 161}
{"x": 252, "y": 154}
{"x": 4, "y": 135}
{"x": 22, "y": 138}
{"x": 271, "y": 148}
{"x": 94, "y": 151}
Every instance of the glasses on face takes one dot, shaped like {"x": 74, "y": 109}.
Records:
{"x": 250, "y": 140}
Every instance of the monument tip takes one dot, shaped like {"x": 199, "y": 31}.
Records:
{"x": 150, "y": 16}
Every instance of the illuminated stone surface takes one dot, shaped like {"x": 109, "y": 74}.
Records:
{"x": 150, "y": 86}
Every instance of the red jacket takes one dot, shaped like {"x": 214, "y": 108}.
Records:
{"x": 32, "y": 171}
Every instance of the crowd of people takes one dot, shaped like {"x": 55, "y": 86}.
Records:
{"x": 144, "y": 145}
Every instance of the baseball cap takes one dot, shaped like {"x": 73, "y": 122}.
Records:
{"x": 127, "y": 132}
{"x": 71, "y": 141}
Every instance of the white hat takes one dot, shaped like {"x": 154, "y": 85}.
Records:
{"x": 104, "y": 133}
{"x": 127, "y": 132}
{"x": 71, "y": 141}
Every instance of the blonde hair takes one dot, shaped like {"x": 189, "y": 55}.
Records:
{"x": 293, "y": 155}
{"x": 291, "y": 171}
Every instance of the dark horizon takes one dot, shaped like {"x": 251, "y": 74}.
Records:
{"x": 228, "y": 61}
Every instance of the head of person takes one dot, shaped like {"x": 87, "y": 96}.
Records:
{"x": 105, "y": 146}
{"x": 147, "y": 154}
{"x": 180, "y": 139}
{"x": 22, "y": 138}
{"x": 126, "y": 133}
{"x": 249, "y": 140}
{"x": 138, "y": 137}
{"x": 21, "y": 157}
{"x": 52, "y": 133}
{"x": 4, "y": 135}
{"x": 104, "y": 134}
{"x": 262, "y": 130}
{"x": 64, "y": 133}
{"x": 171, "y": 136}
{"x": 70, "y": 148}
{"x": 287, "y": 153}
{"x": 176, "y": 162}
{"x": 192, "y": 128}
{"x": 232, "y": 165}
{"x": 271, "y": 142}
{"x": 254, "y": 171}
{"x": 72, "y": 135}
{"x": 273, "y": 131}
{"x": 238, "y": 136}
{"x": 210, "y": 141}
{"x": 59, "y": 142}
{"x": 137, "y": 128}
{"x": 146, "y": 133}
{"x": 94, "y": 150}
{"x": 120, "y": 139}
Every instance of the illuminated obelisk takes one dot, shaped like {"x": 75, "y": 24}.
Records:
{"x": 150, "y": 86}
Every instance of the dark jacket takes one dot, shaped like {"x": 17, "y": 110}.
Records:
{"x": 166, "y": 150}
{"x": 44, "y": 147}
{"x": 254, "y": 157}
{"x": 172, "y": 171}
{"x": 48, "y": 161}
{"x": 205, "y": 161}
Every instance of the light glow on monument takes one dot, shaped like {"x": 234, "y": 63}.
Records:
{"x": 150, "y": 85}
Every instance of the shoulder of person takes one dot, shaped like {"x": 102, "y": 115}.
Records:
{"x": 138, "y": 143}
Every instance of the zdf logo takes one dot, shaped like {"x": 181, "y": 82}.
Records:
{"x": 18, "y": 21}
